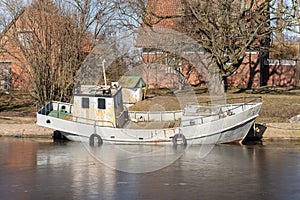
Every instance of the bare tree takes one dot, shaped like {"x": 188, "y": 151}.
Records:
{"x": 49, "y": 44}
{"x": 8, "y": 10}
{"x": 228, "y": 29}
{"x": 52, "y": 38}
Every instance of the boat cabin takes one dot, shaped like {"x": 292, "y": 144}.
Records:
{"x": 99, "y": 105}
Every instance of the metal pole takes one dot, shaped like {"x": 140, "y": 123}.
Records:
{"x": 104, "y": 75}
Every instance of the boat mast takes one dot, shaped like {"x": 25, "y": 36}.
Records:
{"x": 104, "y": 75}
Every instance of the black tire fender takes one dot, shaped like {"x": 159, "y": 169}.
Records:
{"x": 92, "y": 140}
{"x": 177, "y": 137}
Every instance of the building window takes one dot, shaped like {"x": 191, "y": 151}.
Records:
{"x": 25, "y": 39}
{"x": 171, "y": 64}
{"x": 101, "y": 104}
{"x": 85, "y": 103}
{"x": 170, "y": 70}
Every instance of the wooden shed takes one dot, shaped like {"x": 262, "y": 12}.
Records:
{"x": 132, "y": 89}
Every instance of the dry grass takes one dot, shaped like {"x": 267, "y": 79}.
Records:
{"x": 279, "y": 108}
{"x": 17, "y": 104}
{"x": 279, "y": 104}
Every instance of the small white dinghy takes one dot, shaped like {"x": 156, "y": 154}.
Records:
{"x": 98, "y": 116}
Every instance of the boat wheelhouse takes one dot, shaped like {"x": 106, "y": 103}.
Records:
{"x": 100, "y": 105}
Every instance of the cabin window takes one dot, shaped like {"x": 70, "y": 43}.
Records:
{"x": 85, "y": 103}
{"x": 101, "y": 104}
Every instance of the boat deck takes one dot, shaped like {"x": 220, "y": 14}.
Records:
{"x": 151, "y": 125}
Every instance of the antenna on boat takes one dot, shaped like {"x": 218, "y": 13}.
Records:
{"x": 104, "y": 75}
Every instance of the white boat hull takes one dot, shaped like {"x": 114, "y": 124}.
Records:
{"x": 235, "y": 134}
{"x": 231, "y": 128}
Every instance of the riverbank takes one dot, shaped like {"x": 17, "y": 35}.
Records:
{"x": 25, "y": 131}
{"x": 22, "y": 127}
{"x": 282, "y": 131}
{"x": 17, "y": 111}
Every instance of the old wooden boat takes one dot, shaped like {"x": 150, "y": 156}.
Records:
{"x": 98, "y": 116}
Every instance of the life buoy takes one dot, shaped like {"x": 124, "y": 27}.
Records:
{"x": 92, "y": 140}
{"x": 179, "y": 139}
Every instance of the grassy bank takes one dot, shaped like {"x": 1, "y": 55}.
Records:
{"x": 17, "y": 107}
{"x": 279, "y": 104}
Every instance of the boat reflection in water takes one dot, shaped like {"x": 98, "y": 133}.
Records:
{"x": 136, "y": 158}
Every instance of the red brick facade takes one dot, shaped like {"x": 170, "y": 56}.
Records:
{"x": 253, "y": 72}
{"x": 13, "y": 58}
{"x": 248, "y": 75}
{"x": 18, "y": 35}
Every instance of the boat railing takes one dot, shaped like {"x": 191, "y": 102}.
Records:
{"x": 231, "y": 100}
{"x": 194, "y": 120}
{"x": 216, "y": 104}
{"x": 218, "y": 112}
{"x": 158, "y": 116}
{"x": 59, "y": 107}
{"x": 63, "y": 111}
{"x": 100, "y": 123}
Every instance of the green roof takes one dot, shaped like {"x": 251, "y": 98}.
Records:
{"x": 132, "y": 82}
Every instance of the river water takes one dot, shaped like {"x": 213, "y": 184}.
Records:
{"x": 43, "y": 169}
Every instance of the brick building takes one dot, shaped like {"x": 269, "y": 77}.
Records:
{"x": 255, "y": 70}
{"x": 12, "y": 72}
{"x": 35, "y": 35}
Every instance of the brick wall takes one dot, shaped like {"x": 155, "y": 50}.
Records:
{"x": 248, "y": 74}
{"x": 251, "y": 74}
{"x": 281, "y": 75}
